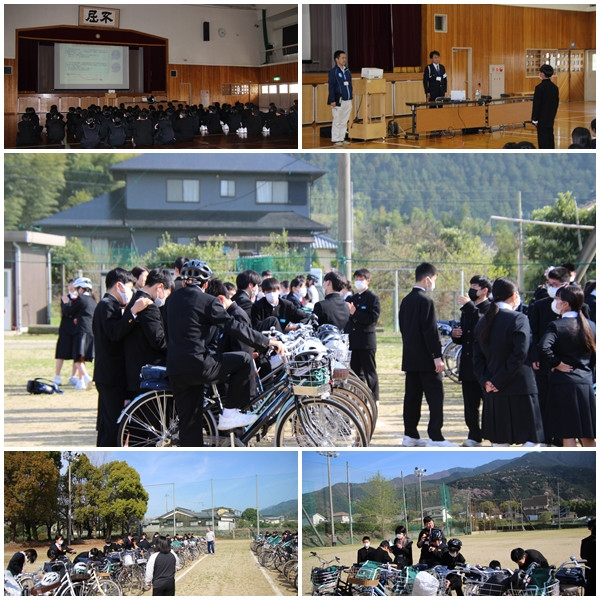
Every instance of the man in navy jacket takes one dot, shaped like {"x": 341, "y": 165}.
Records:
{"x": 340, "y": 97}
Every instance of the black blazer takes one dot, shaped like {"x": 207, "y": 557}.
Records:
{"x": 364, "y": 554}
{"x": 82, "y": 309}
{"x": 432, "y": 86}
{"x": 420, "y": 337}
{"x": 545, "y": 103}
{"x": 146, "y": 344}
{"x": 242, "y": 299}
{"x": 16, "y": 564}
{"x": 110, "y": 326}
{"x": 285, "y": 312}
{"x": 332, "y": 310}
{"x": 190, "y": 315}
{"x": 361, "y": 325}
{"x": 561, "y": 343}
{"x": 502, "y": 359}
{"x": 469, "y": 317}
{"x": 540, "y": 315}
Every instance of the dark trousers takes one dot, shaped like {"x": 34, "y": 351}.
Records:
{"x": 362, "y": 362}
{"x": 111, "y": 400}
{"x": 210, "y": 547}
{"x": 166, "y": 589}
{"x": 417, "y": 384}
{"x": 188, "y": 391}
{"x": 472, "y": 398}
{"x": 545, "y": 138}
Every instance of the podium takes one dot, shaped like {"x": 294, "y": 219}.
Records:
{"x": 369, "y": 96}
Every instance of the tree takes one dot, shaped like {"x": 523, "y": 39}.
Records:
{"x": 122, "y": 497}
{"x": 74, "y": 256}
{"x": 250, "y": 515}
{"x": 87, "y": 485}
{"x": 30, "y": 490}
{"x": 547, "y": 245}
{"x": 381, "y": 503}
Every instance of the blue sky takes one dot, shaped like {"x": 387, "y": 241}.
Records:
{"x": 365, "y": 464}
{"x": 233, "y": 475}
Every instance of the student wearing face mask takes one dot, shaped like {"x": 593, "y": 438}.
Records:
{"x": 511, "y": 412}
{"x": 422, "y": 360}
{"x": 111, "y": 323}
{"x": 146, "y": 344}
{"x": 402, "y": 548}
{"x": 273, "y": 311}
{"x": 366, "y": 552}
{"x": 451, "y": 558}
{"x": 365, "y": 309}
{"x": 472, "y": 307}
{"x": 297, "y": 293}
{"x": 568, "y": 348}
{"x": 248, "y": 284}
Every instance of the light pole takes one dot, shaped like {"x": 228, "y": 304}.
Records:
{"x": 419, "y": 474}
{"x": 329, "y": 455}
{"x": 70, "y": 457}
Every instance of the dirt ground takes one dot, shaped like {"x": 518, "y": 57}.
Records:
{"x": 479, "y": 548}
{"x": 68, "y": 420}
{"x": 231, "y": 571}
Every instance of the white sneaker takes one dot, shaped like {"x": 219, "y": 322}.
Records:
{"x": 80, "y": 385}
{"x": 57, "y": 380}
{"x": 500, "y": 445}
{"x": 234, "y": 418}
{"x": 443, "y": 443}
{"x": 410, "y": 442}
{"x": 87, "y": 382}
{"x": 530, "y": 445}
{"x": 73, "y": 380}
{"x": 468, "y": 443}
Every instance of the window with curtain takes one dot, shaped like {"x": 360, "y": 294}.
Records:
{"x": 183, "y": 190}
{"x": 271, "y": 192}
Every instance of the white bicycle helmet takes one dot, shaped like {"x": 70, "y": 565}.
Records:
{"x": 50, "y": 579}
{"x": 83, "y": 282}
{"x": 311, "y": 350}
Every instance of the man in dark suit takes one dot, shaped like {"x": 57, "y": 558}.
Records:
{"x": 365, "y": 309}
{"x": 333, "y": 309}
{"x": 472, "y": 307}
{"x": 110, "y": 326}
{"x": 545, "y": 105}
{"x": 524, "y": 558}
{"x": 190, "y": 315}
{"x": 422, "y": 360}
{"x": 146, "y": 344}
{"x": 435, "y": 80}
{"x": 247, "y": 283}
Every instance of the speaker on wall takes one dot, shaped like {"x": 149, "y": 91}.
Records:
{"x": 206, "y": 31}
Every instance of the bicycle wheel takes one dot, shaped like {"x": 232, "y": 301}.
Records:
{"x": 150, "y": 420}
{"x": 451, "y": 355}
{"x": 26, "y": 583}
{"x": 131, "y": 583}
{"x": 318, "y": 422}
{"x": 76, "y": 588}
{"x": 107, "y": 587}
{"x": 359, "y": 387}
{"x": 357, "y": 406}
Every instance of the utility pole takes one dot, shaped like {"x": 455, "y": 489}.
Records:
{"x": 419, "y": 474}
{"x": 345, "y": 210}
{"x": 257, "y": 510}
{"x": 329, "y": 455}
{"x": 349, "y": 502}
{"x": 520, "y": 244}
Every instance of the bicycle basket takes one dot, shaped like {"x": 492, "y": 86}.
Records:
{"x": 320, "y": 576}
{"x": 309, "y": 378}
{"x": 128, "y": 559}
{"x": 571, "y": 576}
{"x": 369, "y": 570}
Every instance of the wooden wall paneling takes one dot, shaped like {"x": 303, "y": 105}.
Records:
{"x": 24, "y": 101}
{"x": 308, "y": 104}
{"x": 389, "y": 99}
{"x": 501, "y": 34}
{"x": 10, "y": 87}
{"x": 407, "y": 91}
{"x": 322, "y": 109}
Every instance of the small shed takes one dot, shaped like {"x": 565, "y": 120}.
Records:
{"x": 27, "y": 278}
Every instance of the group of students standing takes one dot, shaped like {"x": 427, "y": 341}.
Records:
{"x": 534, "y": 372}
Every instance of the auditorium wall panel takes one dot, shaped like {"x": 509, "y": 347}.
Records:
{"x": 501, "y": 35}
{"x": 10, "y": 87}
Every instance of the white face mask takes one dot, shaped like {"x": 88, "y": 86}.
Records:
{"x": 360, "y": 284}
{"x": 555, "y": 308}
{"x": 272, "y": 298}
{"x": 302, "y": 292}
{"x": 552, "y": 291}
{"x": 453, "y": 554}
{"x": 366, "y": 544}
{"x": 431, "y": 285}
{"x": 125, "y": 293}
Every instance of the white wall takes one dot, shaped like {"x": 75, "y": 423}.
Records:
{"x": 242, "y": 44}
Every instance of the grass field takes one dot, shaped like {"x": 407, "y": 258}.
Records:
{"x": 479, "y": 548}
{"x": 69, "y": 419}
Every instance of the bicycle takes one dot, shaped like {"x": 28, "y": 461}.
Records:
{"x": 320, "y": 417}
{"x": 450, "y": 350}
{"x": 326, "y": 579}
{"x": 571, "y": 577}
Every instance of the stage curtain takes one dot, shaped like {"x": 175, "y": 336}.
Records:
{"x": 320, "y": 38}
{"x": 406, "y": 24}
{"x": 155, "y": 69}
{"x": 369, "y": 36}
{"x": 28, "y": 65}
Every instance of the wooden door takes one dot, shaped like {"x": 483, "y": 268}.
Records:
{"x": 459, "y": 76}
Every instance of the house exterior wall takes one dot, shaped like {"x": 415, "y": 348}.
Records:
{"x": 150, "y": 192}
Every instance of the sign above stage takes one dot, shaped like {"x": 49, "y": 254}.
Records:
{"x": 99, "y": 17}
